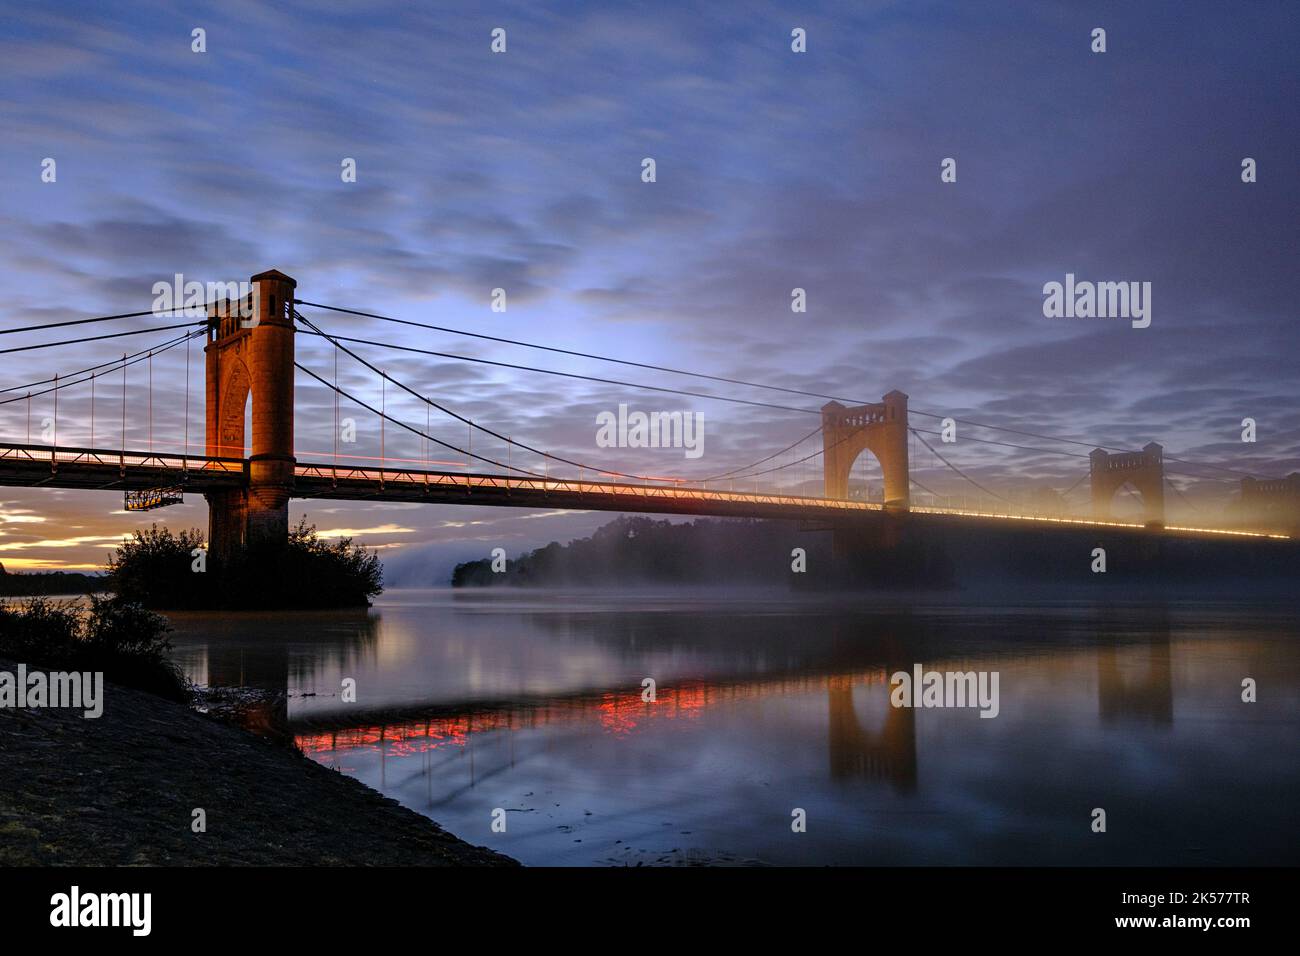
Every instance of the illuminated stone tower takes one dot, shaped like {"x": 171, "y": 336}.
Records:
{"x": 880, "y": 428}
{"x": 250, "y": 354}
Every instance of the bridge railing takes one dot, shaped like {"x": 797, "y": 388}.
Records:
{"x": 966, "y": 508}
{"x": 55, "y": 455}
{"x": 509, "y": 483}
{"x": 178, "y": 466}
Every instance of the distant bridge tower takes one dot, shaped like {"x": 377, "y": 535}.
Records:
{"x": 252, "y": 356}
{"x": 1144, "y": 470}
{"x": 880, "y": 428}
{"x": 1272, "y": 503}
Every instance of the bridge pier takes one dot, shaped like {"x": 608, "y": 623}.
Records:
{"x": 889, "y": 549}
{"x": 250, "y": 352}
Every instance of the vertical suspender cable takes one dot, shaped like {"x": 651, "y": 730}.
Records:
{"x": 336, "y": 406}
{"x": 123, "y": 407}
{"x": 187, "y": 399}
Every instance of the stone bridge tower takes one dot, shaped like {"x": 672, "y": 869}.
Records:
{"x": 880, "y": 428}
{"x": 1144, "y": 470}
{"x": 250, "y": 353}
{"x": 1271, "y": 503}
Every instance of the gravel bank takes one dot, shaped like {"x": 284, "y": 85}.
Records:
{"x": 120, "y": 790}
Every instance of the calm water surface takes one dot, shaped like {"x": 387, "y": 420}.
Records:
{"x": 531, "y": 702}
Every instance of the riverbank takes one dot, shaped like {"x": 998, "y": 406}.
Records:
{"x": 49, "y": 584}
{"x": 121, "y": 790}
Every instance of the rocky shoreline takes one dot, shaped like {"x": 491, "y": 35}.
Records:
{"x": 121, "y": 790}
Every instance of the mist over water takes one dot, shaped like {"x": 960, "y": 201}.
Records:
{"x": 531, "y": 701}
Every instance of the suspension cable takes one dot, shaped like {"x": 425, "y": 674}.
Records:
{"x": 551, "y": 348}
{"x": 101, "y": 318}
{"x": 742, "y": 382}
{"x": 1076, "y": 484}
{"x": 1178, "y": 491}
{"x": 100, "y": 338}
{"x": 129, "y": 359}
{"x": 956, "y": 469}
{"x": 370, "y": 408}
{"x": 574, "y": 375}
{"x": 729, "y": 474}
{"x": 470, "y": 422}
{"x": 335, "y": 340}
{"x": 936, "y": 497}
{"x": 723, "y": 398}
{"x": 165, "y": 343}
{"x": 148, "y": 355}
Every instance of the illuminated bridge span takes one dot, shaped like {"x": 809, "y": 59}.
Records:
{"x": 44, "y": 466}
{"x": 250, "y": 358}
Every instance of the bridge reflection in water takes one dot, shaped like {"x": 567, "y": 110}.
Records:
{"x": 1136, "y": 684}
{"x": 889, "y": 754}
{"x": 533, "y": 704}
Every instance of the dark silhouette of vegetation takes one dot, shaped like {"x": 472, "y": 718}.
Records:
{"x": 161, "y": 569}
{"x": 634, "y": 550}
{"x": 49, "y": 582}
{"x": 156, "y": 569}
{"x": 123, "y": 640}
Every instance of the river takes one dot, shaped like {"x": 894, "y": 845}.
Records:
{"x": 519, "y": 720}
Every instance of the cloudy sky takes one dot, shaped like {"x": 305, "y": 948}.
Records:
{"x": 775, "y": 170}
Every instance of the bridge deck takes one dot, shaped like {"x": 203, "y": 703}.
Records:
{"x": 100, "y": 469}
{"x": 43, "y": 466}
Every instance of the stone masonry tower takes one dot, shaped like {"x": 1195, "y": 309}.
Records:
{"x": 1143, "y": 470}
{"x": 880, "y": 428}
{"x": 250, "y": 353}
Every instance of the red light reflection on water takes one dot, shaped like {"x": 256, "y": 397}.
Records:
{"x": 620, "y": 714}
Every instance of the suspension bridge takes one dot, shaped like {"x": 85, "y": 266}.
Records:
{"x": 250, "y": 360}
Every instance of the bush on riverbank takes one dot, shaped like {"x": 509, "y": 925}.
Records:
{"x": 125, "y": 641}
{"x": 160, "y": 569}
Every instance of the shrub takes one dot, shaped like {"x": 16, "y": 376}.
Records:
{"x": 155, "y": 569}
{"x": 125, "y": 641}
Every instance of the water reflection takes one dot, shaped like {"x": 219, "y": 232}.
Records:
{"x": 270, "y": 651}
{"x": 888, "y": 753}
{"x": 532, "y": 703}
{"x": 1136, "y": 685}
